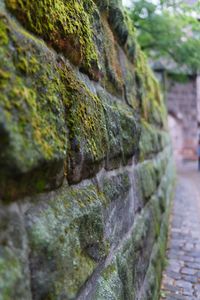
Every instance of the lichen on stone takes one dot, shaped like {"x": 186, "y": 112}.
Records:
{"x": 32, "y": 117}
{"x": 113, "y": 79}
{"x": 86, "y": 123}
{"x": 109, "y": 285}
{"x": 66, "y": 234}
{"x": 100, "y": 231}
{"x": 66, "y": 26}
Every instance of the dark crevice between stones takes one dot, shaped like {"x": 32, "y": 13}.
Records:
{"x": 15, "y": 185}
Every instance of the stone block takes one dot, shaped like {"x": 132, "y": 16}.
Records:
{"x": 109, "y": 285}
{"x": 120, "y": 204}
{"x": 87, "y": 127}
{"x": 146, "y": 180}
{"x": 67, "y": 28}
{"x": 66, "y": 241}
{"x": 32, "y": 119}
{"x": 14, "y": 265}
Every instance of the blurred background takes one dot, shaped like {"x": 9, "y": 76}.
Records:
{"x": 169, "y": 33}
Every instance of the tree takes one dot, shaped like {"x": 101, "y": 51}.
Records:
{"x": 169, "y": 29}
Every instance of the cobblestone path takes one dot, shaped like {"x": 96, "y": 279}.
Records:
{"x": 181, "y": 278}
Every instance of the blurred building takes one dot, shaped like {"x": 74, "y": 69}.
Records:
{"x": 182, "y": 96}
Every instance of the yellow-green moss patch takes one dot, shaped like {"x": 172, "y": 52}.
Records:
{"x": 66, "y": 25}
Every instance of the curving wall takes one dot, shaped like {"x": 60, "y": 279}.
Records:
{"x": 86, "y": 171}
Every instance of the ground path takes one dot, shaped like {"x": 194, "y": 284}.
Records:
{"x": 181, "y": 278}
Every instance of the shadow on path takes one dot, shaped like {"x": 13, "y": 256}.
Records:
{"x": 181, "y": 278}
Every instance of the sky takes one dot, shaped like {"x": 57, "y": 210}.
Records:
{"x": 128, "y": 2}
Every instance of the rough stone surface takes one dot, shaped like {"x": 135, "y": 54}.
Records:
{"x": 86, "y": 174}
{"x": 182, "y": 103}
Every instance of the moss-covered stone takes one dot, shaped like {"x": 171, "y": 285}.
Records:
{"x": 109, "y": 285}
{"x": 65, "y": 26}
{"x": 66, "y": 241}
{"x": 113, "y": 80}
{"x": 152, "y": 105}
{"x": 133, "y": 257}
{"x": 151, "y": 287}
{"x": 130, "y": 92}
{"x": 150, "y": 141}
{"x": 32, "y": 119}
{"x": 146, "y": 180}
{"x": 119, "y": 208}
{"x": 102, "y": 5}
{"x": 123, "y": 131}
{"x": 116, "y": 187}
{"x": 130, "y": 132}
{"x": 14, "y": 271}
{"x": 87, "y": 127}
{"x": 122, "y": 27}
{"x": 10, "y": 275}
{"x": 103, "y": 238}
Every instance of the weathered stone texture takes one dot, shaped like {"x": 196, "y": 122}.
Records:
{"x": 182, "y": 105}
{"x": 86, "y": 174}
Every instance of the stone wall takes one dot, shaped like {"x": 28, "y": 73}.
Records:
{"x": 86, "y": 172}
{"x": 182, "y": 104}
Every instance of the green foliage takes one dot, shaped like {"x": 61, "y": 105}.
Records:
{"x": 170, "y": 30}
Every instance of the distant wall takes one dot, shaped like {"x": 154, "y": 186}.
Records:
{"x": 182, "y": 103}
{"x": 177, "y": 136}
{"x": 86, "y": 169}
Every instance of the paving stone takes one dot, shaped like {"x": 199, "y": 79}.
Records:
{"x": 181, "y": 278}
{"x": 189, "y": 271}
{"x": 172, "y": 288}
{"x": 187, "y": 258}
{"x": 177, "y": 297}
{"x": 193, "y": 265}
{"x": 190, "y": 278}
{"x": 183, "y": 284}
{"x": 197, "y": 291}
{"x": 173, "y": 275}
{"x": 189, "y": 246}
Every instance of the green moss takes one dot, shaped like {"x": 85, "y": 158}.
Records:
{"x": 133, "y": 257}
{"x": 4, "y": 76}
{"x": 122, "y": 128}
{"x": 141, "y": 257}
{"x": 67, "y": 26}
{"x": 3, "y": 34}
{"x": 109, "y": 285}
{"x": 113, "y": 80}
{"x": 122, "y": 27}
{"x": 146, "y": 178}
{"x": 130, "y": 131}
{"x": 40, "y": 185}
{"x": 157, "y": 263}
{"x": 152, "y": 140}
{"x": 28, "y": 98}
{"x": 108, "y": 271}
{"x": 116, "y": 187}
{"x": 153, "y": 108}
{"x": 10, "y": 273}
{"x": 85, "y": 120}
{"x": 130, "y": 46}
{"x": 158, "y": 114}
{"x": 66, "y": 233}
{"x": 32, "y": 115}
